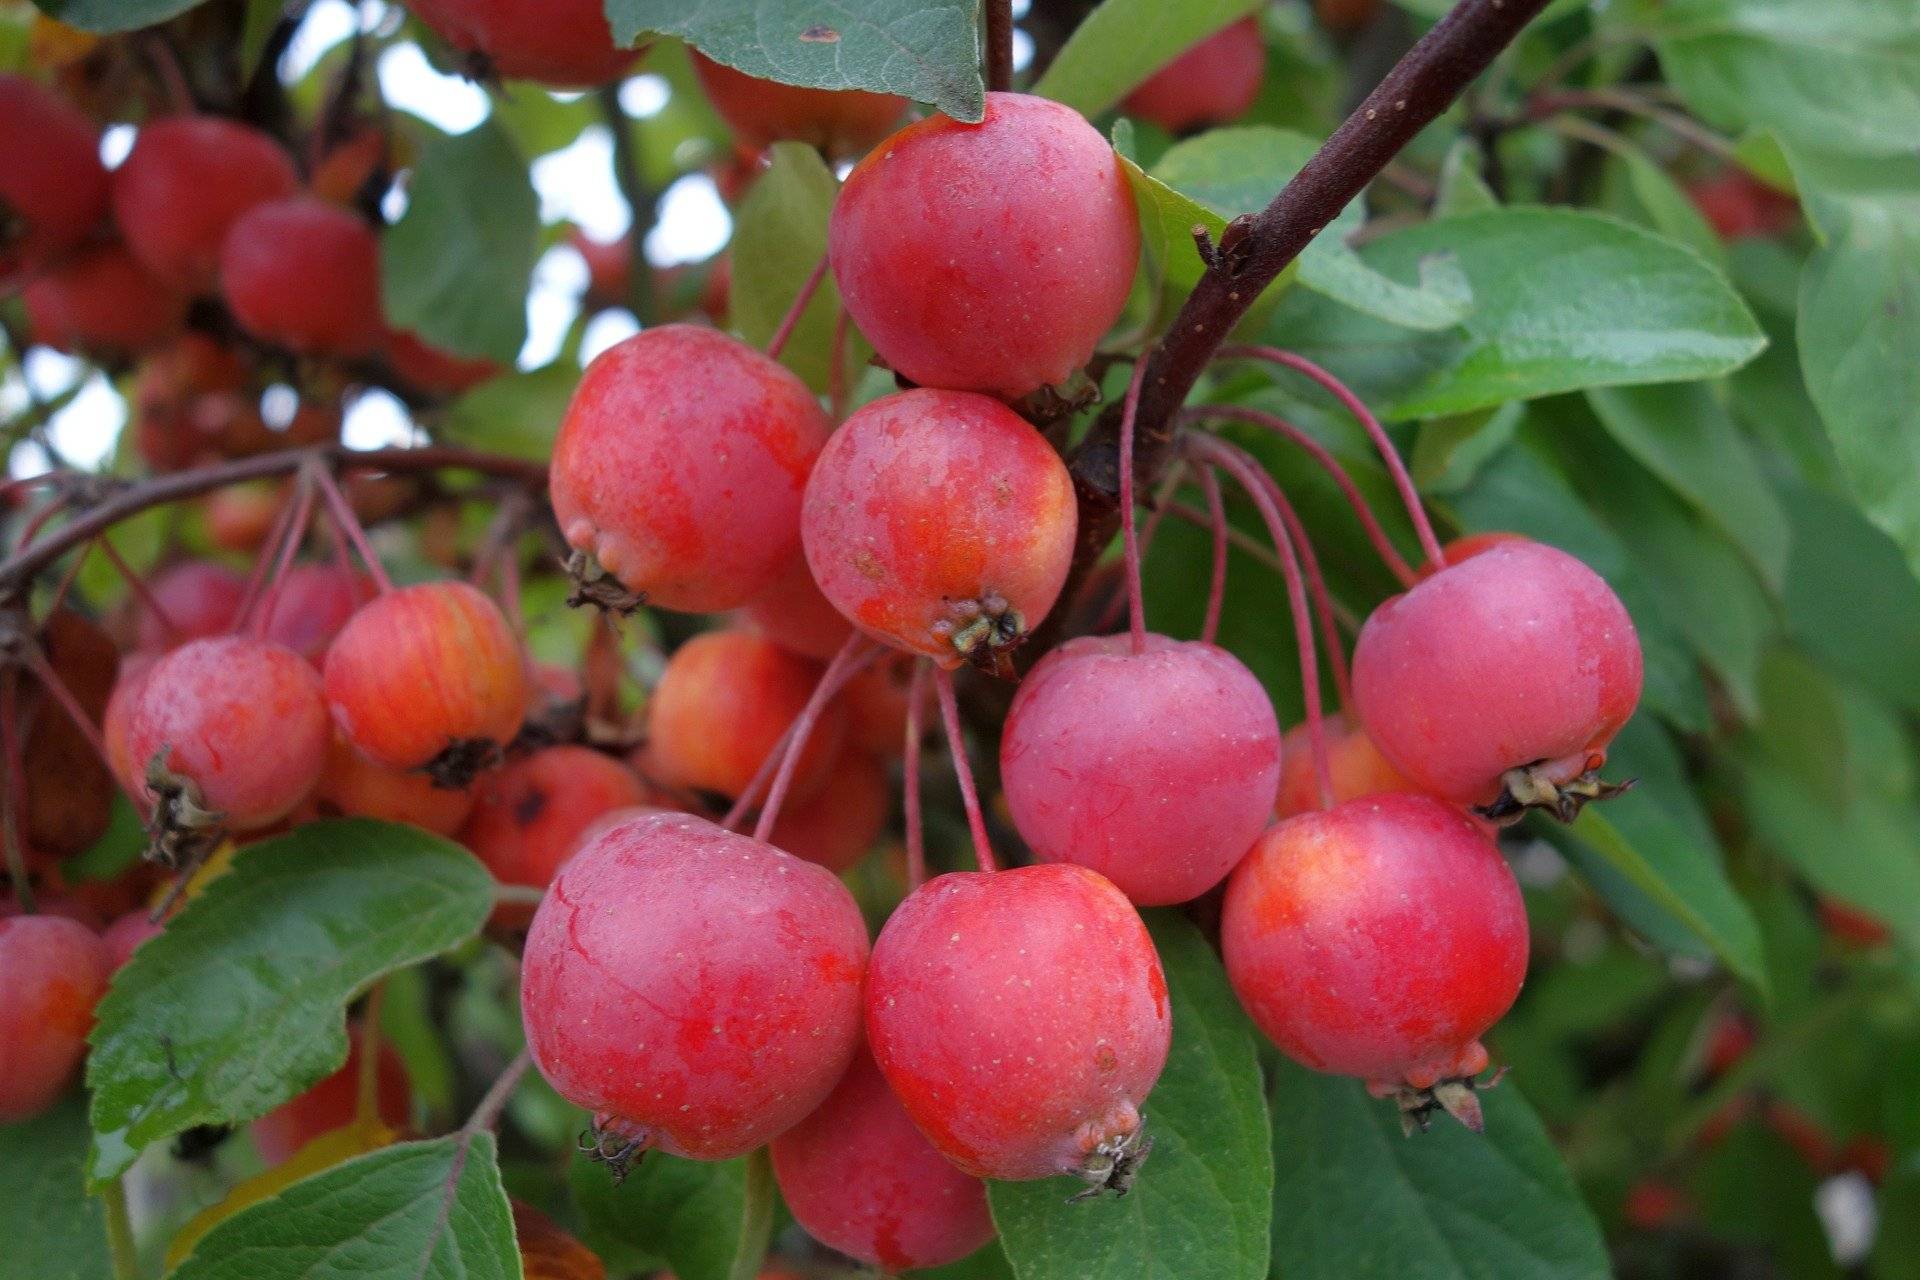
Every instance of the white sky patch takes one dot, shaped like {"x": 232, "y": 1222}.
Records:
{"x": 605, "y": 330}
{"x": 644, "y": 96}
{"x": 409, "y": 82}
{"x": 327, "y": 24}
{"x": 553, "y": 304}
{"x": 576, "y": 184}
{"x": 377, "y": 420}
{"x": 115, "y": 143}
{"x": 693, "y": 224}
{"x": 1846, "y": 1207}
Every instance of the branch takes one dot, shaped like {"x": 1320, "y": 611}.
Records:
{"x": 999, "y": 44}
{"x": 641, "y": 201}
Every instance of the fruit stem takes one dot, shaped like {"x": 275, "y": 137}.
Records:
{"x": 963, "y": 771}
{"x": 1266, "y": 496}
{"x": 756, "y": 1217}
{"x": 999, "y": 42}
{"x": 487, "y": 1114}
{"x": 1217, "y": 582}
{"x": 910, "y": 777}
{"x": 366, "y": 1085}
{"x": 263, "y": 595}
{"x": 1316, "y": 590}
{"x": 1129, "y": 534}
{"x": 788, "y": 323}
{"x": 642, "y": 204}
{"x": 851, "y": 657}
{"x": 120, "y": 1246}
{"x": 16, "y": 787}
{"x": 137, "y": 585}
{"x": 1402, "y": 479}
{"x": 349, "y": 525}
{"x": 50, "y": 680}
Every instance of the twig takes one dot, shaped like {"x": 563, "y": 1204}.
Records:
{"x": 999, "y": 44}
{"x": 962, "y": 770}
{"x": 801, "y": 300}
{"x": 487, "y": 1114}
{"x": 642, "y": 201}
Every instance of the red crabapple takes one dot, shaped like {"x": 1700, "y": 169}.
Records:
{"x": 987, "y": 257}
{"x": 200, "y": 598}
{"x": 1021, "y": 1017}
{"x": 237, "y": 726}
{"x": 304, "y": 274}
{"x": 1213, "y": 82}
{"x": 876, "y": 703}
{"x": 528, "y": 817}
{"x": 566, "y": 44}
{"x": 1355, "y": 766}
{"x": 679, "y": 467}
{"x": 101, "y": 302}
{"x": 353, "y": 785}
{"x": 124, "y": 936}
{"x": 1500, "y": 680}
{"x": 861, "y": 1179}
{"x": 721, "y": 706}
{"x": 53, "y": 188}
{"x": 795, "y": 615}
{"x": 1378, "y": 939}
{"x": 435, "y": 371}
{"x": 187, "y": 398}
{"x": 1156, "y": 769}
{"x": 55, "y": 971}
{"x": 331, "y": 1103}
{"x": 114, "y": 721}
{"x": 836, "y": 827}
{"x": 699, "y": 991}
{"x": 429, "y": 677}
{"x": 762, "y": 112}
{"x": 1740, "y": 206}
{"x": 239, "y": 517}
{"x": 187, "y": 180}
{"x": 307, "y": 608}
{"x": 942, "y": 523}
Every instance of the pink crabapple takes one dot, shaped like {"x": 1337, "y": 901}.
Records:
{"x": 99, "y": 301}
{"x": 305, "y": 274}
{"x": 761, "y": 112}
{"x": 566, "y": 44}
{"x": 186, "y": 182}
{"x": 56, "y": 970}
{"x": 1213, "y": 82}
{"x": 53, "y": 188}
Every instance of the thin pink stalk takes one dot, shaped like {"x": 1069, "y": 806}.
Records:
{"x": 138, "y": 586}
{"x": 263, "y": 563}
{"x": 778, "y": 342}
{"x": 16, "y": 787}
{"x": 257, "y": 621}
{"x": 1316, "y": 589}
{"x": 963, "y": 771}
{"x": 832, "y": 680}
{"x": 1217, "y": 583}
{"x": 349, "y": 525}
{"x": 910, "y": 777}
{"x": 50, "y": 681}
{"x": 1129, "y": 535}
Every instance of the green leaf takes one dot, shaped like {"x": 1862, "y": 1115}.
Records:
{"x": 262, "y": 17}
{"x": 1620, "y": 306}
{"x": 1851, "y": 600}
{"x": 927, "y": 50}
{"x": 516, "y": 413}
{"x": 1123, "y": 42}
{"x": 779, "y": 237}
{"x": 1653, "y": 198}
{"x": 456, "y": 268}
{"x": 425, "y": 1210}
{"x": 1462, "y": 187}
{"x": 238, "y": 1005}
{"x": 1201, "y": 1203}
{"x": 1353, "y": 1199}
{"x": 54, "y": 1229}
{"x": 109, "y": 16}
{"x": 686, "y": 1213}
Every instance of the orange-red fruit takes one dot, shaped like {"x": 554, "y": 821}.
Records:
{"x": 1214, "y": 82}
{"x": 528, "y": 817}
{"x": 987, "y": 257}
{"x": 721, "y": 706}
{"x": 305, "y": 274}
{"x": 837, "y": 827}
{"x": 187, "y": 180}
{"x": 307, "y": 608}
{"x": 330, "y": 1104}
{"x": 53, "y": 188}
{"x": 762, "y": 112}
{"x": 1355, "y": 766}
{"x": 355, "y": 786}
{"x": 794, "y": 615}
{"x": 861, "y": 1179}
{"x": 563, "y": 43}
{"x": 55, "y": 971}
{"x": 124, "y": 936}
{"x": 680, "y": 464}
{"x": 200, "y": 598}
{"x": 423, "y": 669}
{"x": 101, "y": 302}
{"x": 940, "y": 522}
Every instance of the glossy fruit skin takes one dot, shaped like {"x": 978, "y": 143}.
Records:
{"x": 860, "y": 1178}
{"x": 330, "y": 1104}
{"x": 118, "y": 716}
{"x": 100, "y": 301}
{"x": 927, "y": 501}
{"x": 1045, "y": 971}
{"x": 835, "y": 828}
{"x": 51, "y": 179}
{"x": 186, "y": 182}
{"x": 434, "y": 370}
{"x": 722, "y": 704}
{"x": 425, "y": 668}
{"x": 1356, "y": 767}
{"x": 355, "y": 786}
{"x": 698, "y": 990}
{"x": 200, "y": 597}
{"x": 307, "y": 608}
{"x": 305, "y": 274}
{"x": 1378, "y": 939}
{"x": 528, "y": 817}
{"x": 680, "y": 463}
{"x": 124, "y": 936}
{"x": 56, "y": 970}
{"x": 795, "y": 615}
{"x": 1214, "y": 82}
{"x": 1520, "y": 654}
{"x": 987, "y": 257}
{"x": 762, "y": 112}
{"x": 1155, "y": 769}
{"x": 566, "y": 44}
{"x": 242, "y": 719}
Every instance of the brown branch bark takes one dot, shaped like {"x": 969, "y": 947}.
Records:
{"x": 999, "y": 44}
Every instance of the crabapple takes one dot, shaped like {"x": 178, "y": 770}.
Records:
{"x": 118, "y": 715}
{"x": 354, "y": 785}
{"x": 304, "y": 274}
{"x": 680, "y": 463}
{"x": 566, "y": 44}
{"x": 762, "y": 112}
{"x": 1157, "y": 769}
{"x": 699, "y": 991}
{"x": 1021, "y": 1017}
{"x": 124, "y": 936}
{"x": 433, "y": 370}
{"x": 55, "y": 971}
{"x": 1354, "y": 765}
{"x": 876, "y": 703}
{"x": 239, "y": 724}
{"x": 428, "y": 676}
{"x": 100, "y": 301}
{"x": 942, "y": 523}
{"x": 528, "y": 817}
{"x": 307, "y": 608}
{"x": 987, "y": 257}
{"x": 723, "y": 703}
{"x": 239, "y": 517}
{"x": 1213, "y": 82}
{"x": 53, "y": 188}
{"x": 1378, "y": 939}
{"x": 332, "y": 1102}
{"x": 185, "y": 396}
{"x": 609, "y": 268}
{"x": 1740, "y": 206}
{"x": 837, "y": 827}
{"x": 861, "y": 1179}
{"x": 795, "y": 615}
{"x": 1500, "y": 680}
{"x": 200, "y": 598}
{"x": 187, "y": 180}
{"x": 67, "y": 787}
